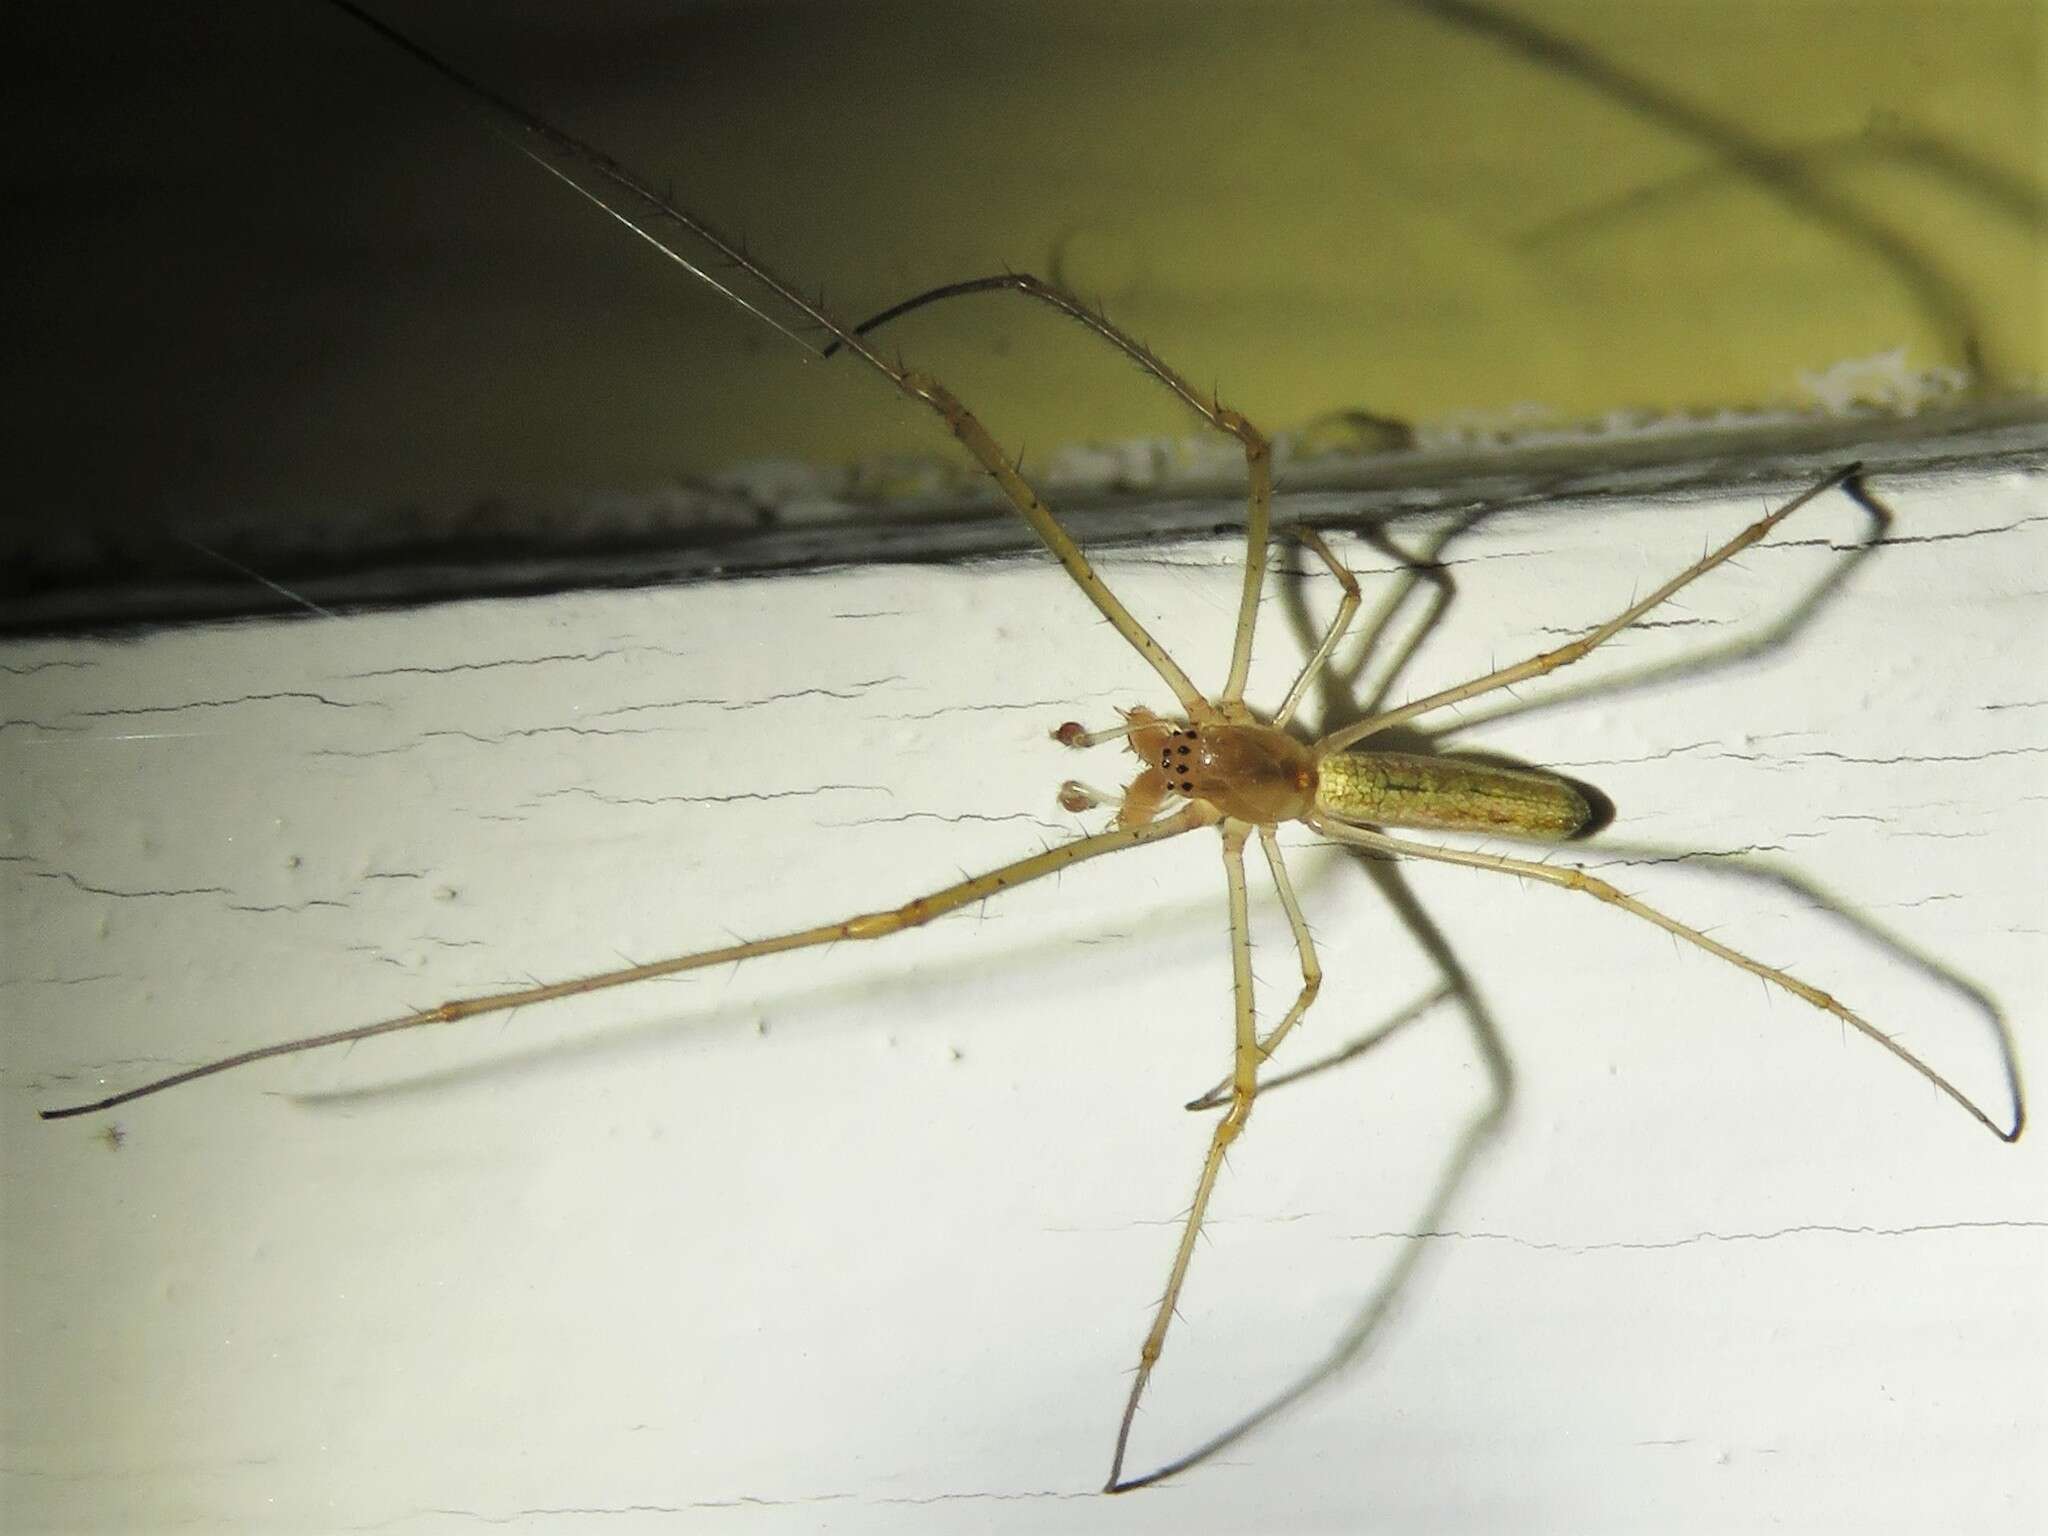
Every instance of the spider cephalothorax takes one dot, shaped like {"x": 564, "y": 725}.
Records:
{"x": 1248, "y": 772}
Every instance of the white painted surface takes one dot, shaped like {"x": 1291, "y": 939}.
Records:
{"x": 865, "y": 1239}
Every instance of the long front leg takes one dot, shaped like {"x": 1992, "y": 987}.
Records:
{"x": 975, "y": 438}
{"x": 1244, "y": 1087}
{"x": 1258, "y": 451}
{"x": 869, "y": 925}
{"x": 640, "y": 206}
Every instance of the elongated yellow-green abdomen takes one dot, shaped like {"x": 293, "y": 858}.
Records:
{"x": 1402, "y": 789}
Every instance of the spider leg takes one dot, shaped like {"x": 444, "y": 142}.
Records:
{"x": 1311, "y": 968}
{"x": 1565, "y": 655}
{"x": 1346, "y": 611}
{"x": 1244, "y": 1087}
{"x": 1258, "y": 451}
{"x": 1570, "y": 878}
{"x": 870, "y": 925}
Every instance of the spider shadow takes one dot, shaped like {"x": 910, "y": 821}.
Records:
{"x": 1345, "y": 695}
{"x": 1794, "y": 178}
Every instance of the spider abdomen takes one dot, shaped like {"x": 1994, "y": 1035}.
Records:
{"x": 1405, "y": 789}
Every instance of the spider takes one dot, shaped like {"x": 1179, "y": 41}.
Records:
{"x": 1212, "y": 765}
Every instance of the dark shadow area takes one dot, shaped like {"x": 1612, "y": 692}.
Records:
{"x": 162, "y": 380}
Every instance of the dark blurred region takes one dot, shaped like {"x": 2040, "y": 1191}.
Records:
{"x": 290, "y": 316}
